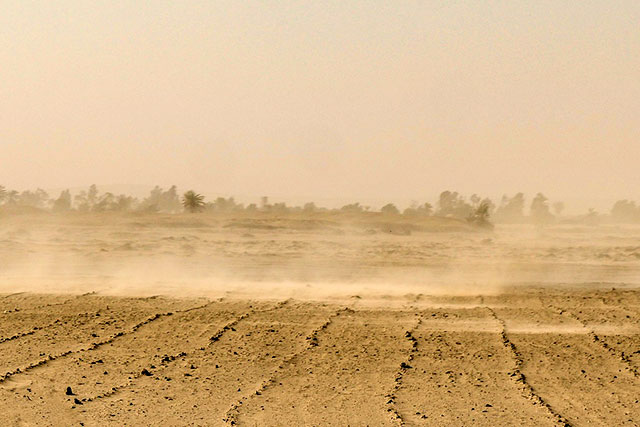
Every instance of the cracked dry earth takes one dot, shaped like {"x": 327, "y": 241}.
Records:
{"x": 526, "y": 356}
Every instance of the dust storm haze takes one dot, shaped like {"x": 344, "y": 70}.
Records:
{"x": 326, "y": 101}
{"x": 227, "y": 213}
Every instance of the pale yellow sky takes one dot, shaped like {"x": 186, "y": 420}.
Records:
{"x": 326, "y": 99}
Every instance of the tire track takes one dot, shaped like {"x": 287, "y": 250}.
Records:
{"x": 95, "y": 345}
{"x": 619, "y": 356}
{"x": 402, "y": 370}
{"x": 232, "y": 414}
{"x": 167, "y": 360}
{"x": 529, "y": 392}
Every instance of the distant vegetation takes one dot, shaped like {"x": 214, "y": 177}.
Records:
{"x": 480, "y": 216}
{"x": 193, "y": 202}
{"x": 476, "y": 210}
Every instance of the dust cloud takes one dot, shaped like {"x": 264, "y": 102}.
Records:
{"x": 306, "y": 256}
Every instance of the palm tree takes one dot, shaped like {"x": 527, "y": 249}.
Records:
{"x": 480, "y": 218}
{"x": 192, "y": 201}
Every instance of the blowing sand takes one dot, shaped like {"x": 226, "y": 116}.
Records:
{"x": 191, "y": 320}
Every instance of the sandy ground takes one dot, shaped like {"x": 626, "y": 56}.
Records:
{"x": 124, "y": 321}
{"x": 529, "y": 357}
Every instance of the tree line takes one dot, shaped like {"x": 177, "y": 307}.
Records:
{"x": 476, "y": 209}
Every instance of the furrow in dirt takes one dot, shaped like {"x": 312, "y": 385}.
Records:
{"x": 435, "y": 360}
{"x": 44, "y": 383}
{"x": 619, "y": 356}
{"x": 402, "y": 371}
{"x": 26, "y": 333}
{"x": 614, "y": 328}
{"x": 19, "y": 323}
{"x": 233, "y": 413}
{"x": 570, "y": 372}
{"x": 51, "y": 357}
{"x": 167, "y": 359}
{"x": 199, "y": 387}
{"x": 75, "y": 328}
{"x": 73, "y": 333}
{"x": 21, "y": 301}
{"x": 519, "y": 377}
{"x": 25, "y": 319}
{"x": 28, "y": 312}
{"x": 351, "y": 367}
{"x": 460, "y": 375}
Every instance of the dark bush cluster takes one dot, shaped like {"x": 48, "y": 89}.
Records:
{"x": 477, "y": 210}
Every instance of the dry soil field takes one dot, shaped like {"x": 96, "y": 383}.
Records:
{"x": 191, "y": 320}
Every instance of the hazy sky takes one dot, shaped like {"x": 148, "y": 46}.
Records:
{"x": 323, "y": 99}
